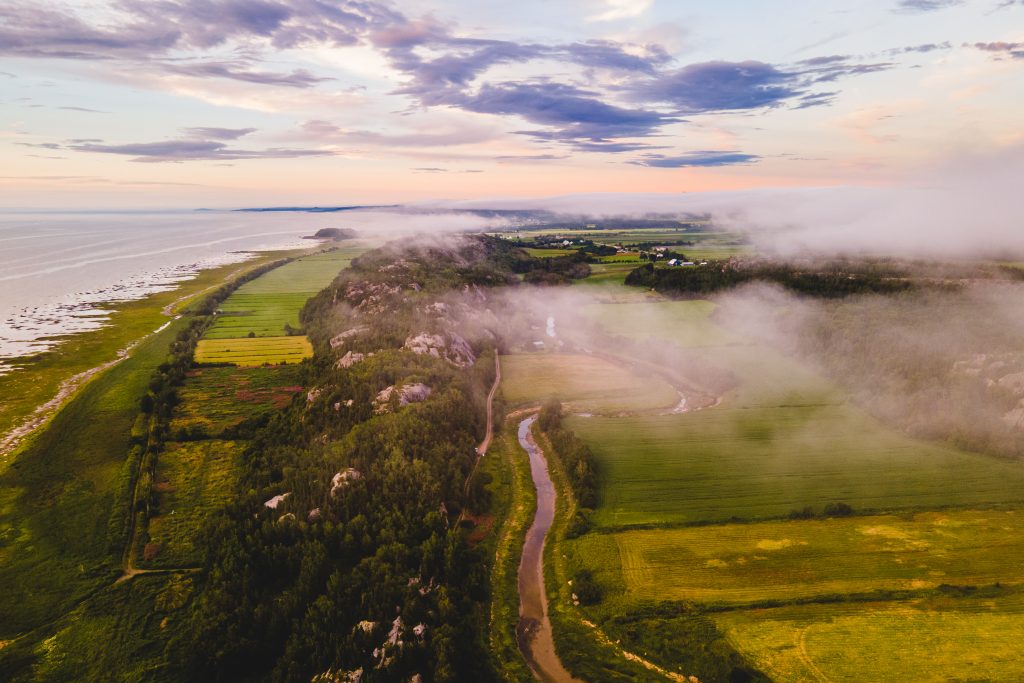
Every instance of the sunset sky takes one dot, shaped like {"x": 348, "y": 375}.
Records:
{"x": 184, "y": 103}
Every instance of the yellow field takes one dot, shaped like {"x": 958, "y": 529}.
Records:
{"x": 586, "y": 382}
{"x": 787, "y": 560}
{"x": 961, "y": 640}
{"x": 254, "y": 350}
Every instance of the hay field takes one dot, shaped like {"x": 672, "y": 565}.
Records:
{"x": 586, "y": 383}
{"x": 743, "y": 564}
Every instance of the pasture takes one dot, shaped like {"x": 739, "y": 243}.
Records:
{"x": 720, "y": 463}
{"x": 685, "y": 323}
{"x": 585, "y": 383}
{"x": 266, "y": 305}
{"x": 217, "y": 398}
{"x": 935, "y": 639}
{"x": 192, "y": 480}
{"x": 742, "y": 564}
{"x": 254, "y": 351}
{"x": 57, "y": 497}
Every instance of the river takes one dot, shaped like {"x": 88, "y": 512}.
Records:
{"x": 534, "y": 630}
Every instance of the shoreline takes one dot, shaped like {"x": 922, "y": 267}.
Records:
{"x": 56, "y": 376}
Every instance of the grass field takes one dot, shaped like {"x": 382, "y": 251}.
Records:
{"x": 192, "y": 479}
{"x": 549, "y": 253}
{"x": 686, "y": 323}
{"x": 254, "y": 351}
{"x": 216, "y": 398}
{"x": 925, "y": 640}
{"x": 586, "y": 383}
{"x": 264, "y": 306}
{"x": 788, "y": 560}
{"x": 38, "y": 378}
{"x": 719, "y": 463}
{"x": 56, "y": 498}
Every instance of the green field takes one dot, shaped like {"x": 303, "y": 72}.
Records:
{"x": 57, "y": 497}
{"x": 217, "y": 398}
{"x": 586, "y": 383}
{"x": 787, "y": 560}
{"x": 254, "y": 351}
{"x": 38, "y": 378}
{"x": 923, "y": 640}
{"x": 721, "y": 463}
{"x": 192, "y": 480}
{"x": 264, "y": 306}
{"x": 686, "y": 323}
{"x": 549, "y": 253}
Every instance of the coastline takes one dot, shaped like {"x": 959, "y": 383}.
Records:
{"x": 36, "y": 388}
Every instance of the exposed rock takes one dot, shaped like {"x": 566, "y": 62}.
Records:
{"x": 313, "y": 394}
{"x": 314, "y": 515}
{"x": 286, "y": 517}
{"x": 340, "y": 338}
{"x": 451, "y": 347}
{"x": 276, "y": 500}
{"x": 366, "y": 626}
{"x": 1015, "y": 418}
{"x": 408, "y": 393}
{"x": 1013, "y": 382}
{"x": 342, "y": 479}
{"x": 339, "y": 404}
{"x": 331, "y": 676}
{"x": 349, "y": 359}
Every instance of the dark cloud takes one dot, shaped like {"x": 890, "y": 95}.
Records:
{"x": 722, "y": 86}
{"x": 181, "y": 150}
{"x": 213, "y": 133}
{"x": 512, "y": 158}
{"x": 84, "y": 109}
{"x": 925, "y": 5}
{"x": 1000, "y": 50}
{"x": 239, "y": 71}
{"x": 704, "y": 158}
{"x": 925, "y": 48}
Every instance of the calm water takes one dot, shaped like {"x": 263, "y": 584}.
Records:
{"x": 56, "y": 268}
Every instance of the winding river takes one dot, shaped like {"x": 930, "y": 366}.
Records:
{"x": 534, "y": 630}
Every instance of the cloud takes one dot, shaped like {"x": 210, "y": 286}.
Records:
{"x": 239, "y": 70}
{"x": 621, "y": 9}
{"x": 925, "y": 48}
{"x": 705, "y": 158}
{"x": 1000, "y": 50}
{"x": 189, "y": 150}
{"x": 214, "y": 133}
{"x": 84, "y": 109}
{"x": 925, "y": 5}
{"x": 722, "y": 86}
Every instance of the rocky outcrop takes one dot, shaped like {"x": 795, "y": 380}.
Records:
{"x": 407, "y": 393}
{"x": 450, "y": 347}
{"x": 339, "y": 339}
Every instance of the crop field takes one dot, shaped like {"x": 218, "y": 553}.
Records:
{"x": 975, "y": 639}
{"x": 586, "y": 383}
{"x": 264, "y": 306}
{"x": 254, "y": 351}
{"x": 192, "y": 479}
{"x": 216, "y": 398}
{"x": 717, "y": 464}
{"x": 736, "y": 564}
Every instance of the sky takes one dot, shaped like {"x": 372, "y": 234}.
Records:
{"x": 227, "y": 103}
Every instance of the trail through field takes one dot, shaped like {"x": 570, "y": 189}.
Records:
{"x": 534, "y": 630}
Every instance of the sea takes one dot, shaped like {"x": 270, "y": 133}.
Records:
{"x": 64, "y": 273}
